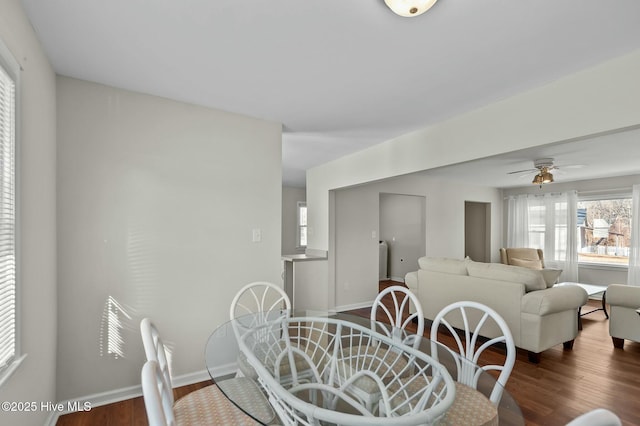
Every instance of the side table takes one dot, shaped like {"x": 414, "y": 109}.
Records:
{"x": 591, "y": 290}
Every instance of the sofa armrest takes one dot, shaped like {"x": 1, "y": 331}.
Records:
{"x": 623, "y": 295}
{"x": 411, "y": 281}
{"x": 555, "y": 299}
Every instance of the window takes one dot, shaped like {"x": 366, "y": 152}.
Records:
{"x": 9, "y": 344}
{"x": 547, "y": 217}
{"x": 604, "y": 231}
{"x": 546, "y": 222}
{"x": 301, "y": 234}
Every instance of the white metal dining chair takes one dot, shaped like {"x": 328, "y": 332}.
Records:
{"x": 207, "y": 405}
{"x": 258, "y": 303}
{"x": 393, "y": 324}
{"x": 421, "y": 398}
{"x": 596, "y": 417}
{"x": 259, "y": 297}
{"x": 476, "y": 321}
{"x": 401, "y": 297}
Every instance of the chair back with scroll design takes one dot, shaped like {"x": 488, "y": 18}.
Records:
{"x": 155, "y": 350}
{"x": 255, "y": 304}
{"x": 389, "y": 316}
{"x": 398, "y": 298}
{"x": 474, "y": 321}
{"x": 158, "y": 395}
{"x": 205, "y": 406}
{"x": 339, "y": 373}
{"x": 260, "y": 297}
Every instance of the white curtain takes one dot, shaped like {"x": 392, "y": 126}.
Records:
{"x": 547, "y": 222}
{"x": 571, "y": 252}
{"x": 517, "y": 222}
{"x": 633, "y": 277}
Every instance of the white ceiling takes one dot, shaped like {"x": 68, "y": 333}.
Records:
{"x": 599, "y": 156}
{"x": 339, "y": 75}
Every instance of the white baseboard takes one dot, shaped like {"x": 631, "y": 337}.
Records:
{"x": 117, "y": 395}
{"x": 398, "y": 279}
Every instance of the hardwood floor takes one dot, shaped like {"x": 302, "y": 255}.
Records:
{"x": 562, "y": 386}
{"x": 124, "y": 413}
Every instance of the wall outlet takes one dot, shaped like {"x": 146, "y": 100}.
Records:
{"x": 257, "y": 235}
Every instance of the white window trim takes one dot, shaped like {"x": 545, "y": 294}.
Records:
{"x": 602, "y": 266}
{"x": 11, "y": 66}
{"x": 298, "y": 205}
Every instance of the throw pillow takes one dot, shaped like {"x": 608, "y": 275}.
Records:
{"x": 551, "y": 276}
{"x": 531, "y": 278}
{"x": 526, "y": 263}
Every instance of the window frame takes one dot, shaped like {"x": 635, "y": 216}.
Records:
{"x": 596, "y": 196}
{"x": 13, "y": 69}
{"x": 299, "y": 244}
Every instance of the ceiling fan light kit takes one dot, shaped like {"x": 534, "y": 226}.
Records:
{"x": 544, "y": 165}
{"x": 543, "y": 177}
{"x": 409, "y": 8}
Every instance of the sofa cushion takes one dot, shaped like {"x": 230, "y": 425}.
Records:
{"x": 526, "y": 263}
{"x": 444, "y": 264}
{"x": 531, "y": 278}
{"x": 550, "y": 276}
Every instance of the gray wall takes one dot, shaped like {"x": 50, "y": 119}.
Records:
{"x": 35, "y": 378}
{"x": 157, "y": 201}
{"x": 402, "y": 226}
{"x": 290, "y": 198}
{"x": 354, "y": 273}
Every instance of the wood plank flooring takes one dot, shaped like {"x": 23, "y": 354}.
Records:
{"x": 130, "y": 412}
{"x": 562, "y": 386}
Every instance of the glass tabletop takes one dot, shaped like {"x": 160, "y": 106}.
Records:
{"x": 225, "y": 361}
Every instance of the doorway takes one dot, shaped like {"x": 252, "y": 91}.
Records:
{"x": 477, "y": 231}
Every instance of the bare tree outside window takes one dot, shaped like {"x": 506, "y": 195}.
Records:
{"x": 604, "y": 231}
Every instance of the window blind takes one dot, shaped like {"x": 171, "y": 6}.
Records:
{"x": 7, "y": 220}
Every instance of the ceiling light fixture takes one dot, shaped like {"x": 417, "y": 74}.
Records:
{"x": 409, "y": 8}
{"x": 543, "y": 177}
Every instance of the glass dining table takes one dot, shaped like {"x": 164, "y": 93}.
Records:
{"x": 331, "y": 391}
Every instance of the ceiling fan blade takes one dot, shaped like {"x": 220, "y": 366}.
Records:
{"x": 523, "y": 171}
{"x": 524, "y": 176}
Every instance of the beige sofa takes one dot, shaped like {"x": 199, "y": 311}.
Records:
{"x": 539, "y": 315}
{"x": 624, "y": 321}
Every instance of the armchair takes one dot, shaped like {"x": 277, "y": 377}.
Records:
{"x": 624, "y": 322}
{"x": 527, "y": 257}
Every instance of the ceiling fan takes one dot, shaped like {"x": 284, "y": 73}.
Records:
{"x": 543, "y": 167}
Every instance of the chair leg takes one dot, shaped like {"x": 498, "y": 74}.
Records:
{"x": 534, "y": 357}
{"x": 568, "y": 345}
{"x": 618, "y": 342}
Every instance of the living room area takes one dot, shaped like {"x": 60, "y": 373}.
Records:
{"x": 564, "y": 382}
